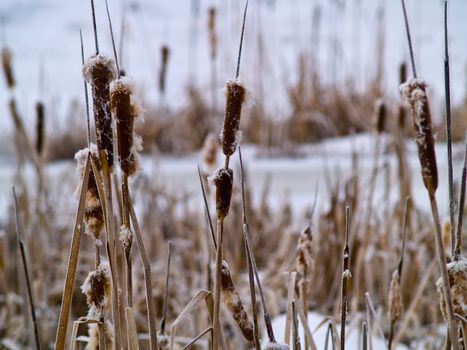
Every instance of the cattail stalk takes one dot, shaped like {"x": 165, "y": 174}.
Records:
{"x": 414, "y": 92}
{"x": 165, "y": 52}
{"x": 213, "y": 54}
{"x": 346, "y": 275}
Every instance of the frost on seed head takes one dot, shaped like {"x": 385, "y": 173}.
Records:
{"x": 457, "y": 274}
{"x": 126, "y": 237}
{"x": 235, "y": 96}
{"x": 414, "y": 93}
{"x": 346, "y": 274}
{"x": 93, "y": 213}
{"x": 275, "y": 346}
{"x": 99, "y": 68}
{"x": 125, "y": 110}
{"x": 96, "y": 287}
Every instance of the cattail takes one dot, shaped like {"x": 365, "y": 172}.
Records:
{"x": 304, "y": 261}
{"x": 165, "y": 52}
{"x": 99, "y": 71}
{"x": 40, "y": 127}
{"x": 234, "y": 303}
{"x": 96, "y": 287}
{"x": 414, "y": 93}
{"x": 223, "y": 180}
{"x": 7, "y": 68}
{"x": 93, "y": 213}
{"x": 380, "y": 119}
{"x": 209, "y": 152}
{"x": 402, "y": 73}
{"x": 457, "y": 272}
{"x": 235, "y": 93}
{"x": 126, "y": 237}
{"x": 212, "y": 31}
{"x": 125, "y": 111}
{"x": 395, "y": 298}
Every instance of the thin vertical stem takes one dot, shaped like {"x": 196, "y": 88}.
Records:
{"x": 345, "y": 278}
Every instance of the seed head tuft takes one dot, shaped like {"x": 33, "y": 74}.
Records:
{"x": 96, "y": 287}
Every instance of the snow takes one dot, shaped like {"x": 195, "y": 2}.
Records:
{"x": 315, "y": 320}
{"x": 46, "y": 33}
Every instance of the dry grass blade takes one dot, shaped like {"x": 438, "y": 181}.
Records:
{"x": 147, "y": 279}
{"x": 308, "y": 335}
{"x": 290, "y": 298}
{"x": 346, "y": 275}
{"x": 131, "y": 325}
{"x": 166, "y": 288}
{"x": 195, "y": 339}
{"x": 72, "y": 263}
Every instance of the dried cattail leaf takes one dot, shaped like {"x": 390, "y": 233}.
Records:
{"x": 234, "y": 303}
{"x": 165, "y": 52}
{"x": 414, "y": 93}
{"x": 446, "y": 232}
{"x": 125, "y": 111}
{"x": 209, "y": 151}
{"x": 40, "y": 127}
{"x": 235, "y": 93}
{"x": 97, "y": 289}
{"x": 380, "y": 120}
{"x": 212, "y": 31}
{"x": 99, "y": 71}
{"x": 7, "y": 67}
{"x": 457, "y": 272}
{"x": 395, "y": 298}
{"x": 93, "y": 213}
{"x": 223, "y": 180}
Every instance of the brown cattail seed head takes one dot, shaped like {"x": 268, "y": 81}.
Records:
{"x": 96, "y": 287}
{"x": 93, "y": 213}
{"x": 124, "y": 112}
{"x": 7, "y": 67}
{"x": 304, "y": 263}
{"x": 235, "y": 93}
{"x": 402, "y": 73}
{"x": 395, "y": 298}
{"x": 234, "y": 303}
{"x": 457, "y": 273}
{"x": 126, "y": 237}
{"x": 40, "y": 128}
{"x": 165, "y": 52}
{"x": 209, "y": 151}
{"x": 99, "y": 71}
{"x": 380, "y": 120}
{"x": 223, "y": 180}
{"x": 212, "y": 31}
{"x": 414, "y": 93}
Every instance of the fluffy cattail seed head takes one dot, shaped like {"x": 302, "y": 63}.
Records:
{"x": 93, "y": 213}
{"x": 414, "y": 93}
{"x": 223, "y": 180}
{"x": 395, "y": 298}
{"x": 212, "y": 31}
{"x": 99, "y": 71}
{"x": 235, "y": 94}
{"x": 234, "y": 303}
{"x": 380, "y": 119}
{"x": 96, "y": 287}
{"x": 125, "y": 111}
{"x": 40, "y": 128}
{"x": 457, "y": 273}
{"x": 7, "y": 67}
{"x": 126, "y": 237}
